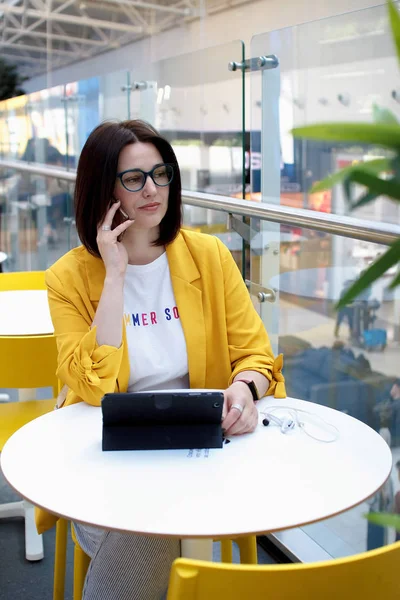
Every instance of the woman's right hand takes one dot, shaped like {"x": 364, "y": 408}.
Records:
{"x": 113, "y": 252}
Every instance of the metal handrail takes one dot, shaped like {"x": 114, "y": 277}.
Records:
{"x": 38, "y": 169}
{"x": 370, "y": 231}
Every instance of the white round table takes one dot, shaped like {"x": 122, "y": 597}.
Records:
{"x": 262, "y": 482}
{"x": 25, "y": 312}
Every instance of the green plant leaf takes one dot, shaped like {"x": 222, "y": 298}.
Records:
{"x": 394, "y": 18}
{"x": 366, "y": 199}
{"x": 375, "y": 185}
{"x": 383, "y": 115}
{"x": 384, "y": 519}
{"x": 374, "y": 272}
{"x": 395, "y": 282}
{"x": 381, "y": 134}
{"x": 378, "y": 165}
{"x": 10, "y": 80}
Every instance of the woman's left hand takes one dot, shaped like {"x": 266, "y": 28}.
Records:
{"x": 235, "y": 420}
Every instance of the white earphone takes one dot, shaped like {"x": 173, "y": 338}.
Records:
{"x": 285, "y": 423}
{"x": 292, "y": 420}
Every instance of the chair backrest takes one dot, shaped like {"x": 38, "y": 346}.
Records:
{"x": 22, "y": 280}
{"x": 369, "y": 576}
{"x": 28, "y": 362}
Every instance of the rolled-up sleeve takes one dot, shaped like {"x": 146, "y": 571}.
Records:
{"x": 248, "y": 342}
{"x": 85, "y": 367}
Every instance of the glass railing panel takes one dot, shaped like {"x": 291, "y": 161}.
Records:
{"x": 114, "y": 96}
{"x": 36, "y": 220}
{"x": 47, "y": 121}
{"x": 15, "y": 129}
{"x": 215, "y": 222}
{"x": 196, "y": 102}
{"x": 90, "y": 101}
{"x": 82, "y": 114}
{"x": 346, "y": 360}
{"x": 333, "y": 70}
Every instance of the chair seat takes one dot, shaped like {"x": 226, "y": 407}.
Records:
{"x": 14, "y": 415}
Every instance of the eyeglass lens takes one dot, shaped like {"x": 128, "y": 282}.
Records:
{"x": 134, "y": 180}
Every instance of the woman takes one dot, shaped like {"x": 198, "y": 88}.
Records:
{"x": 142, "y": 305}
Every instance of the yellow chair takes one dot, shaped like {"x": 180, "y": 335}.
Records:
{"x": 26, "y": 362}
{"x": 370, "y": 576}
{"x": 60, "y": 559}
{"x": 247, "y": 546}
{"x": 22, "y": 280}
{"x": 81, "y": 563}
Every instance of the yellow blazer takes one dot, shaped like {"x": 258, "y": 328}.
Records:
{"x": 223, "y": 332}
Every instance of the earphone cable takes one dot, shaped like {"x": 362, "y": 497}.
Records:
{"x": 293, "y": 412}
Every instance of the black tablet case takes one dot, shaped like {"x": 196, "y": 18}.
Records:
{"x": 162, "y": 420}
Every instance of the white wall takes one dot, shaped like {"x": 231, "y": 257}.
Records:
{"x": 241, "y": 22}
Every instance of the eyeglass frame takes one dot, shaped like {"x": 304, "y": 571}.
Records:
{"x": 146, "y": 175}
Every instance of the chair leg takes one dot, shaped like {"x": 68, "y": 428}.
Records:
{"x": 60, "y": 559}
{"x": 81, "y": 565}
{"x": 248, "y": 550}
{"x": 226, "y": 551}
{"x": 33, "y": 541}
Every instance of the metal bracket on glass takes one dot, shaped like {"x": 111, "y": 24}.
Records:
{"x": 263, "y": 294}
{"x": 134, "y": 86}
{"x": 244, "y": 230}
{"x": 255, "y": 64}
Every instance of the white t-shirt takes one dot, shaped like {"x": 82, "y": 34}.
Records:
{"x": 156, "y": 344}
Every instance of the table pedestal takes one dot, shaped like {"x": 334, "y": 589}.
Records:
{"x": 199, "y": 549}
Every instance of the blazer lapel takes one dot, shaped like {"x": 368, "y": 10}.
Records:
{"x": 188, "y": 296}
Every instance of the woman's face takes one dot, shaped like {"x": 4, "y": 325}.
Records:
{"x": 148, "y": 205}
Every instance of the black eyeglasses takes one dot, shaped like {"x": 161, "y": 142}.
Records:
{"x": 134, "y": 180}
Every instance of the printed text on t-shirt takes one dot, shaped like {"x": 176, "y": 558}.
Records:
{"x": 150, "y": 318}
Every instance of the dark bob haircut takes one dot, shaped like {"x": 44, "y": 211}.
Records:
{"x": 96, "y": 177}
